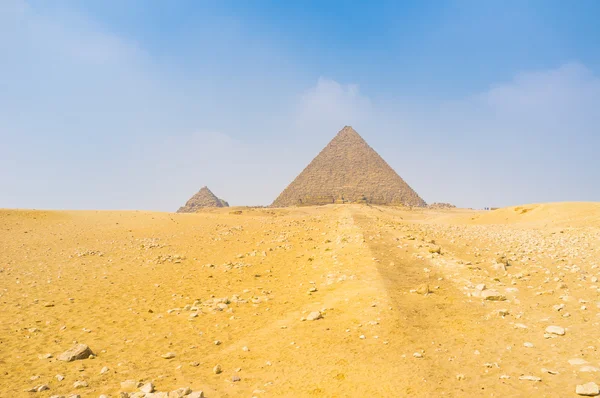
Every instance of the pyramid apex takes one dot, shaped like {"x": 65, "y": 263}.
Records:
{"x": 349, "y": 132}
{"x": 348, "y": 129}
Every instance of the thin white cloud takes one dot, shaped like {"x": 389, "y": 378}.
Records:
{"x": 526, "y": 140}
{"x": 330, "y": 105}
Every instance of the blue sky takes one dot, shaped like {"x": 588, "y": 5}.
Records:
{"x": 137, "y": 104}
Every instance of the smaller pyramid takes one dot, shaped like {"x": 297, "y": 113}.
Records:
{"x": 204, "y": 198}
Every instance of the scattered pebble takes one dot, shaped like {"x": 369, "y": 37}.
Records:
{"x": 80, "y": 384}
{"x": 313, "y": 316}
{"x": 492, "y": 295}
{"x": 129, "y": 385}
{"x": 560, "y": 331}
{"x": 147, "y": 388}
{"x": 530, "y": 378}
{"x": 549, "y": 371}
{"x": 79, "y": 351}
{"x": 578, "y": 361}
{"x": 588, "y": 368}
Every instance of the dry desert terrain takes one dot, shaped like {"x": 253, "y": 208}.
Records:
{"x": 331, "y": 301}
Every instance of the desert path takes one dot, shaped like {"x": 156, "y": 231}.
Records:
{"x": 399, "y": 291}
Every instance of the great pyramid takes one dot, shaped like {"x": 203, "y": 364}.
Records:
{"x": 348, "y": 170}
{"x": 204, "y": 198}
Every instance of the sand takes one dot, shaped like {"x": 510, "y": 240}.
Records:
{"x": 399, "y": 292}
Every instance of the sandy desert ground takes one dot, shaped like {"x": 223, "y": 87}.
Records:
{"x": 411, "y": 302}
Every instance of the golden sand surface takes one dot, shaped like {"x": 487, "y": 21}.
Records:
{"x": 401, "y": 293}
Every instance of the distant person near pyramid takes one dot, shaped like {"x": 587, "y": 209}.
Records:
{"x": 348, "y": 170}
{"x": 204, "y": 198}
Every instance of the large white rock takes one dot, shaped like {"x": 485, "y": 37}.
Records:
{"x": 80, "y": 351}
{"x": 555, "y": 330}
{"x": 313, "y": 316}
{"x": 147, "y": 388}
{"x": 588, "y": 368}
{"x": 578, "y": 361}
{"x": 588, "y": 389}
{"x": 80, "y": 384}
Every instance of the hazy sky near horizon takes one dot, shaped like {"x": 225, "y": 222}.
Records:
{"x": 137, "y": 104}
